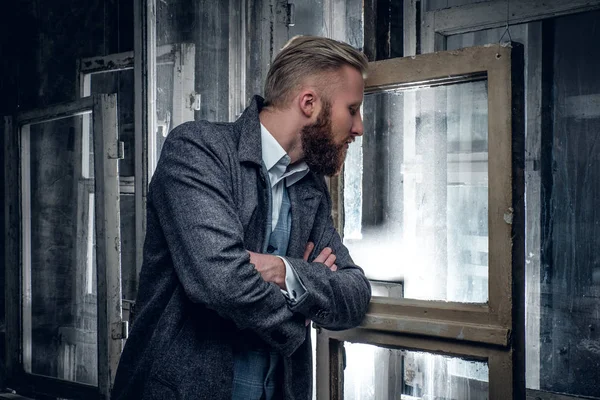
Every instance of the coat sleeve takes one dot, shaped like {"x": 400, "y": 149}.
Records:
{"x": 334, "y": 300}
{"x": 192, "y": 194}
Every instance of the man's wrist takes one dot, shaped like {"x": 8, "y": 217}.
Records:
{"x": 282, "y": 265}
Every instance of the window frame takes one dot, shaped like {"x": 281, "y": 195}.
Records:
{"x": 492, "y": 331}
{"x": 110, "y": 323}
{"x": 185, "y": 101}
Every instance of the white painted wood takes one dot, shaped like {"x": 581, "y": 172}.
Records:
{"x": 237, "y": 58}
{"x": 108, "y": 240}
{"x": 111, "y": 62}
{"x": 54, "y": 112}
{"x": 184, "y": 67}
{"x": 334, "y": 23}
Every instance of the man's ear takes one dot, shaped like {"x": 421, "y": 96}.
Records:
{"x": 307, "y": 102}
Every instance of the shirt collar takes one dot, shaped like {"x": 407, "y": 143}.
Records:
{"x": 277, "y": 161}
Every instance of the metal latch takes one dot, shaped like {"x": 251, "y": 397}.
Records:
{"x": 291, "y": 14}
{"x": 117, "y": 152}
{"x": 195, "y": 101}
{"x": 120, "y": 330}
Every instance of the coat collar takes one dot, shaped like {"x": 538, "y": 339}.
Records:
{"x": 249, "y": 147}
{"x": 305, "y": 195}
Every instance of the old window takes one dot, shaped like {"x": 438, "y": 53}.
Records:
{"x": 64, "y": 269}
{"x": 432, "y": 210}
{"x": 114, "y": 74}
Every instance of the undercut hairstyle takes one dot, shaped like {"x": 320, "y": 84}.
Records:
{"x": 308, "y": 56}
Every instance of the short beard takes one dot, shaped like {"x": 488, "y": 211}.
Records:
{"x": 321, "y": 153}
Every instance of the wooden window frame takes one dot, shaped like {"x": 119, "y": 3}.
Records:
{"x": 494, "y": 331}
{"x": 110, "y": 323}
{"x": 183, "y": 58}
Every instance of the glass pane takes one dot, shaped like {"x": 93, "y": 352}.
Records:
{"x": 59, "y": 264}
{"x": 416, "y": 185}
{"x": 378, "y": 373}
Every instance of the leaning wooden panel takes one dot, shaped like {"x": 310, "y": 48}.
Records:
{"x": 501, "y": 377}
{"x": 54, "y": 112}
{"x": 108, "y": 255}
{"x": 500, "y": 210}
{"x": 479, "y": 331}
{"x": 494, "y": 63}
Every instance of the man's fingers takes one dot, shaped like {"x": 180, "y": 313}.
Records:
{"x": 253, "y": 257}
{"x": 333, "y": 268}
{"x": 309, "y": 248}
{"x": 330, "y": 260}
{"x": 323, "y": 256}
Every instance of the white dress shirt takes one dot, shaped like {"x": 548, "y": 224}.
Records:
{"x": 281, "y": 172}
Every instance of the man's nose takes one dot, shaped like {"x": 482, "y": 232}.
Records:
{"x": 358, "y": 126}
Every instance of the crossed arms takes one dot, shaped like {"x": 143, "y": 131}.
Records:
{"x": 191, "y": 192}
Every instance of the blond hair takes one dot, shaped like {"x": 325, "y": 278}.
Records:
{"x": 307, "y": 56}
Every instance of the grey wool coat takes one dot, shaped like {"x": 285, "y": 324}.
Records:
{"x": 200, "y": 298}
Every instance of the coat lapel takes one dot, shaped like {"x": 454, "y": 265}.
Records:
{"x": 256, "y": 200}
{"x": 305, "y": 197}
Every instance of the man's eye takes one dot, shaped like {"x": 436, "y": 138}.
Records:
{"x": 352, "y": 111}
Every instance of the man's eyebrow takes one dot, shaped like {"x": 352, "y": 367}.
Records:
{"x": 356, "y": 104}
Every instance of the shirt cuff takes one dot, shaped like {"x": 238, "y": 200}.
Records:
{"x": 295, "y": 288}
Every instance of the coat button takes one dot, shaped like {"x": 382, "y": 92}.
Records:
{"x": 271, "y": 249}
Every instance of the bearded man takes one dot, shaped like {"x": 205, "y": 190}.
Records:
{"x": 240, "y": 251}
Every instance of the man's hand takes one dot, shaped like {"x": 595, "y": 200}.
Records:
{"x": 271, "y": 268}
{"x": 326, "y": 257}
